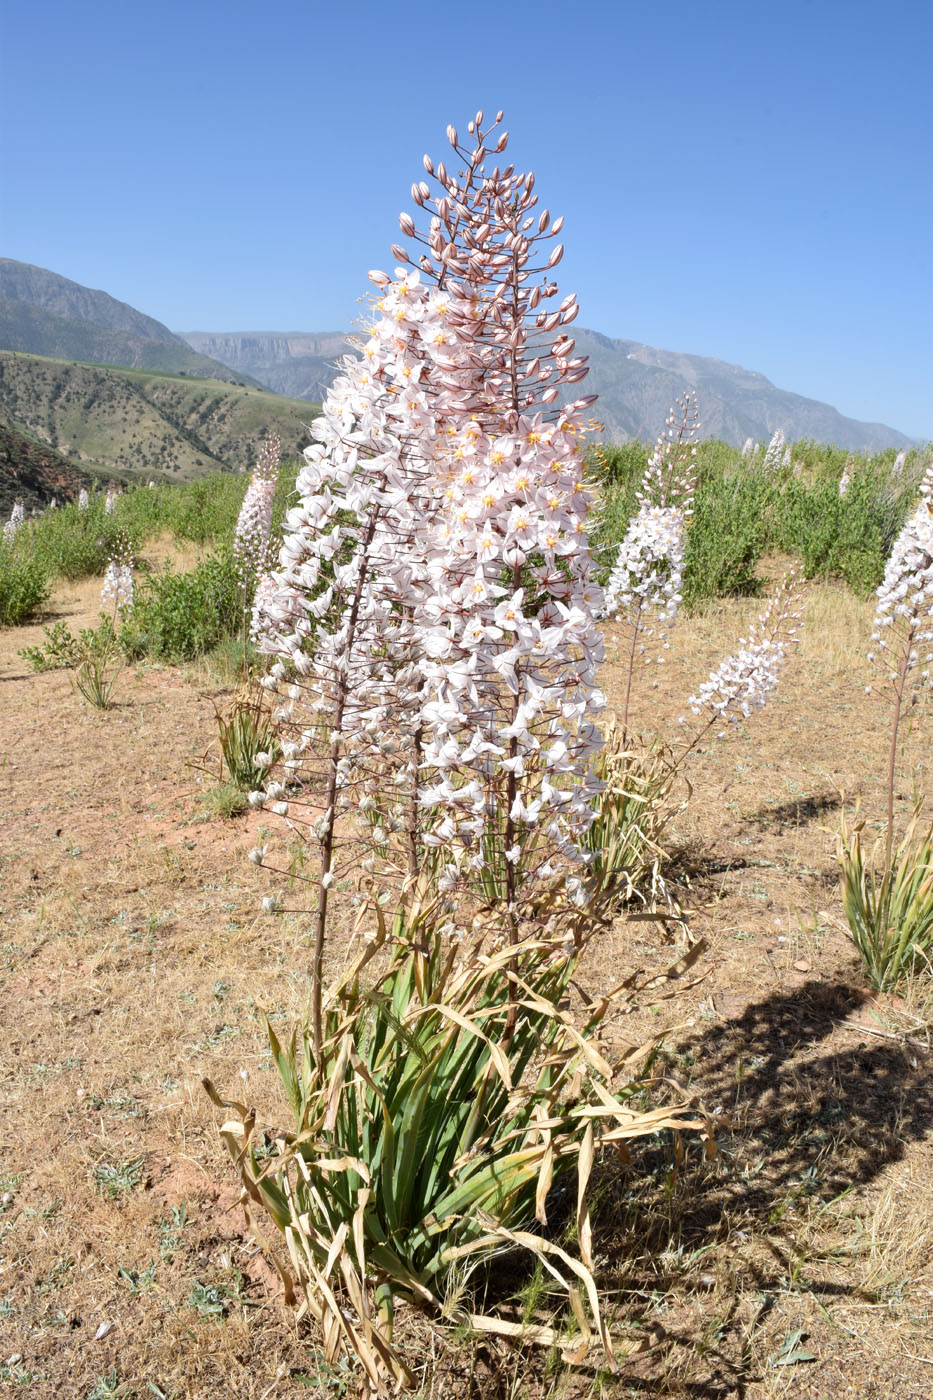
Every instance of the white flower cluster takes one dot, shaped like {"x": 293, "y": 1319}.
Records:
{"x": 118, "y": 584}
{"x": 110, "y": 500}
{"x": 845, "y": 481}
{"x": 897, "y": 467}
{"x": 904, "y": 612}
{"x": 746, "y": 679}
{"x": 434, "y": 597}
{"x": 775, "y": 452}
{"x": 649, "y": 567}
{"x": 251, "y": 539}
{"x": 84, "y": 499}
{"x": 15, "y": 522}
{"x": 648, "y": 572}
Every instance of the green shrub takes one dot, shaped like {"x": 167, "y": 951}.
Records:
{"x": 726, "y": 535}
{"x": 849, "y": 537}
{"x": 205, "y": 511}
{"x": 60, "y": 650}
{"x": 176, "y": 617}
{"x": 77, "y": 544}
{"x": 24, "y": 582}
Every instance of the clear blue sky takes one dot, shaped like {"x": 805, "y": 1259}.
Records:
{"x": 740, "y": 178}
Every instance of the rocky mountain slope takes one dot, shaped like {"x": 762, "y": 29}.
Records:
{"x": 33, "y": 473}
{"x": 42, "y": 313}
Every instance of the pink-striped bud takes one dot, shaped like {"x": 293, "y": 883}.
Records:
{"x": 380, "y": 278}
{"x": 570, "y": 315}
{"x": 557, "y": 225}
{"x": 407, "y": 224}
{"x": 568, "y": 301}
{"x": 479, "y": 117}
{"x": 499, "y": 115}
{"x": 416, "y": 194}
{"x": 549, "y": 395}
{"x": 424, "y": 189}
{"x": 503, "y": 141}
{"x": 442, "y": 173}
{"x": 544, "y": 220}
{"x": 452, "y": 136}
{"x": 400, "y": 253}
{"x": 428, "y": 164}
{"x": 557, "y": 252}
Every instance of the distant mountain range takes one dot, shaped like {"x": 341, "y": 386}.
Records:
{"x": 44, "y": 314}
{"x": 636, "y": 384}
{"x": 114, "y": 390}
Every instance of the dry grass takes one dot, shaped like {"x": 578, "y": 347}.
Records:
{"x": 134, "y": 961}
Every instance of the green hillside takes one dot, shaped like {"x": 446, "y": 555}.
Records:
{"x": 142, "y": 423}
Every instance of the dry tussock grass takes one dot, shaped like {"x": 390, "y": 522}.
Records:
{"x": 134, "y": 960}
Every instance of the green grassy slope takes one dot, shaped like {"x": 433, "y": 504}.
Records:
{"x": 142, "y": 423}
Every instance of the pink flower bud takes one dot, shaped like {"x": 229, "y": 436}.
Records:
{"x": 416, "y": 194}
{"x": 570, "y": 315}
{"x": 380, "y": 278}
{"x": 557, "y": 252}
{"x": 499, "y": 115}
{"x": 503, "y": 141}
{"x": 544, "y": 220}
{"x": 442, "y": 173}
{"x": 399, "y": 252}
{"x": 557, "y": 225}
{"x": 428, "y": 164}
{"x": 452, "y": 136}
{"x": 479, "y": 117}
{"x": 549, "y": 395}
{"x": 407, "y": 224}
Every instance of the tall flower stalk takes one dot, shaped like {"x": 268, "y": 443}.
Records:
{"x": 903, "y": 626}
{"x": 438, "y": 561}
{"x": 644, "y": 587}
{"x": 252, "y": 538}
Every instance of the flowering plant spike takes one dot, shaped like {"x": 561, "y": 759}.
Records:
{"x": 645, "y": 583}
{"x": 435, "y": 601}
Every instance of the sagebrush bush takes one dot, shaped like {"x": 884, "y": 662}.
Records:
{"x": 177, "y": 617}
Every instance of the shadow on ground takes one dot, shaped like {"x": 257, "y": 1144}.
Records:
{"x": 812, "y": 1109}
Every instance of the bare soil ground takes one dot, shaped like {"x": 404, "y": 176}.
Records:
{"x": 134, "y": 960}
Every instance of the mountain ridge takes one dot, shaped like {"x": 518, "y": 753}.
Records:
{"x": 43, "y": 313}
{"x": 636, "y": 384}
